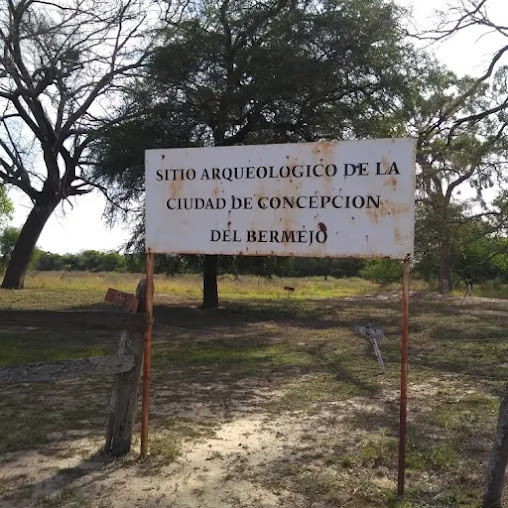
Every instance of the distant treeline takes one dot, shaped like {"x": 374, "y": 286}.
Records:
{"x": 475, "y": 258}
{"x": 478, "y": 266}
{"x": 87, "y": 261}
{"x": 97, "y": 261}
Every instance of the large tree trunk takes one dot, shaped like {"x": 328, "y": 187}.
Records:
{"x": 498, "y": 458}
{"x": 14, "y": 277}
{"x": 445, "y": 268}
{"x": 210, "y": 293}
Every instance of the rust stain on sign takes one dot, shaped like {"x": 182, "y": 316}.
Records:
{"x": 287, "y": 226}
{"x": 392, "y": 182}
{"x": 396, "y": 235}
{"x": 176, "y": 188}
{"x": 388, "y": 210}
{"x": 325, "y": 150}
{"x": 385, "y": 163}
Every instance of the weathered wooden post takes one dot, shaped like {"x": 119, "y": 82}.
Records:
{"x": 498, "y": 458}
{"x": 122, "y": 409}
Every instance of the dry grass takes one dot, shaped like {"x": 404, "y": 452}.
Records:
{"x": 189, "y": 286}
{"x": 267, "y": 402}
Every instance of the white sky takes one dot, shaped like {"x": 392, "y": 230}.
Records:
{"x": 81, "y": 227}
{"x": 73, "y": 229}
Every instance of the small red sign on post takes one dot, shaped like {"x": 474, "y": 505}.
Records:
{"x": 122, "y": 299}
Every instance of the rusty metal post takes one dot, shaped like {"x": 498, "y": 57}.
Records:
{"x": 403, "y": 376}
{"x": 145, "y": 408}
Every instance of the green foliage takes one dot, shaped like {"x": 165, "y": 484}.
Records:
{"x": 88, "y": 260}
{"x": 6, "y": 207}
{"x": 263, "y": 266}
{"x": 8, "y": 238}
{"x": 173, "y": 264}
{"x": 339, "y": 268}
{"x": 479, "y": 255}
{"x": 382, "y": 271}
{"x": 135, "y": 263}
{"x": 477, "y": 247}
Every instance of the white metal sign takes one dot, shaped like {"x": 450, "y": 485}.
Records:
{"x": 325, "y": 199}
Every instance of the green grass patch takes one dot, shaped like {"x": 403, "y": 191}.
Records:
{"x": 424, "y": 456}
{"x": 468, "y": 414}
{"x": 379, "y": 450}
{"x": 52, "y": 299}
{"x": 166, "y": 440}
{"x": 31, "y": 433}
{"x": 16, "y": 352}
{"x": 424, "y": 496}
{"x": 220, "y": 354}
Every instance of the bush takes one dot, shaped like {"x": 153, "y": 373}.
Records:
{"x": 87, "y": 261}
{"x": 382, "y": 271}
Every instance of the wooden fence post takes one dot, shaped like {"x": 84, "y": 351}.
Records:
{"x": 122, "y": 409}
{"x": 498, "y": 458}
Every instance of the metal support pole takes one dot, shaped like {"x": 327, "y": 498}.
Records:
{"x": 147, "y": 351}
{"x": 403, "y": 376}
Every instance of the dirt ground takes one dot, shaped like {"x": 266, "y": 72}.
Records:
{"x": 271, "y": 404}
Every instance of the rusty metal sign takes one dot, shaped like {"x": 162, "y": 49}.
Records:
{"x": 325, "y": 199}
{"x": 126, "y": 300}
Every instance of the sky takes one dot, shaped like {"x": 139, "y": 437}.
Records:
{"x": 80, "y": 225}
{"x": 73, "y": 229}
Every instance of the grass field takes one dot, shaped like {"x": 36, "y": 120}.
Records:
{"x": 270, "y": 401}
{"x": 189, "y": 286}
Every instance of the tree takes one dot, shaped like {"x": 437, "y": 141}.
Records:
{"x": 480, "y": 252}
{"x": 452, "y": 156}
{"x": 61, "y": 64}
{"x": 247, "y": 72}
{"x": 478, "y": 249}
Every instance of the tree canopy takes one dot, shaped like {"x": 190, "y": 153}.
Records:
{"x": 249, "y": 72}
